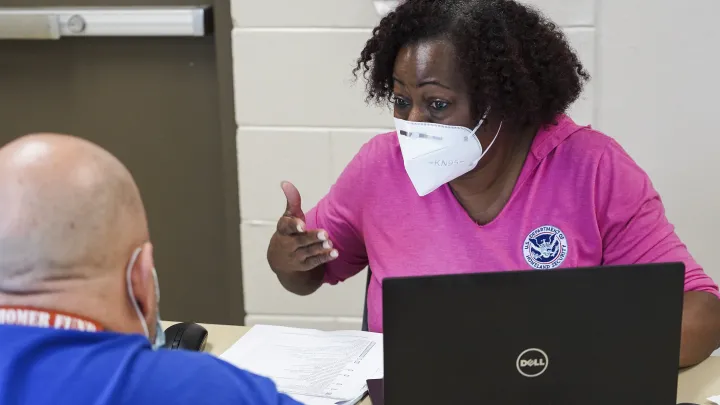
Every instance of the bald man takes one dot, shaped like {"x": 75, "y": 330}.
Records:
{"x": 79, "y": 317}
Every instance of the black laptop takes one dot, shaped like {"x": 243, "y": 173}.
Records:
{"x": 587, "y": 336}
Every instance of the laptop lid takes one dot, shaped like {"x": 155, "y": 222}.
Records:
{"x": 607, "y": 335}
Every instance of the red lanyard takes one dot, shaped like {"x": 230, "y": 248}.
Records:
{"x": 45, "y": 318}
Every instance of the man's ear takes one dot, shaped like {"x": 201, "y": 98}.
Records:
{"x": 143, "y": 283}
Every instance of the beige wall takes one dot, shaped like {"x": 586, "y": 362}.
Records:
{"x": 300, "y": 119}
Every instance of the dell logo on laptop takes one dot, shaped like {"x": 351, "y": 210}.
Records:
{"x": 532, "y": 363}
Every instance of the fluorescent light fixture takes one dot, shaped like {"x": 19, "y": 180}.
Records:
{"x": 106, "y": 22}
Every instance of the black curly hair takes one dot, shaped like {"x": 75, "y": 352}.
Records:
{"x": 512, "y": 58}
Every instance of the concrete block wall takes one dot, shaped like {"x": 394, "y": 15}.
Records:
{"x": 301, "y": 119}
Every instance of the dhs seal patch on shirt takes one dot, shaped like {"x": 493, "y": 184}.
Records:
{"x": 545, "y": 248}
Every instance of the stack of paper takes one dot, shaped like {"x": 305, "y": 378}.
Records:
{"x": 312, "y": 366}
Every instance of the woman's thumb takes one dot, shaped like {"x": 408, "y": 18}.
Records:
{"x": 292, "y": 195}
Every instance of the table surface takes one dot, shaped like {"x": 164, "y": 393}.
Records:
{"x": 695, "y": 384}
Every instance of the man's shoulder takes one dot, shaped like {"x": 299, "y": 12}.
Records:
{"x": 195, "y": 376}
{"x": 120, "y": 368}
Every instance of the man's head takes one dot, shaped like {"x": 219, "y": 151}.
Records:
{"x": 71, "y": 218}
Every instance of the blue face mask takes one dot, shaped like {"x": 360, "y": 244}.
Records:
{"x": 159, "y": 334}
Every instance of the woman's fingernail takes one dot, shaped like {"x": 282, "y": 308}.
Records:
{"x": 322, "y": 235}
{"x": 334, "y": 254}
{"x": 300, "y": 228}
{"x": 327, "y": 244}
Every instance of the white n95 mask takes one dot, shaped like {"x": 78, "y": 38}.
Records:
{"x": 435, "y": 154}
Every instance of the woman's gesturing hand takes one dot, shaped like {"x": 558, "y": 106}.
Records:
{"x": 293, "y": 248}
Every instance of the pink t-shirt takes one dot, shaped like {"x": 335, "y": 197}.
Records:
{"x": 580, "y": 201}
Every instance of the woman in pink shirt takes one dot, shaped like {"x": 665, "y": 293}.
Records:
{"x": 485, "y": 172}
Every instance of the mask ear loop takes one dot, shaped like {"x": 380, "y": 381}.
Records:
{"x": 493, "y": 141}
{"x": 482, "y": 121}
{"x": 133, "y": 258}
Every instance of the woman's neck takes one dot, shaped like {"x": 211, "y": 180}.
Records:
{"x": 484, "y": 191}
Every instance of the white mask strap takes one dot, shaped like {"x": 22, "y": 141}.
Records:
{"x": 482, "y": 120}
{"x": 493, "y": 141}
{"x": 133, "y": 259}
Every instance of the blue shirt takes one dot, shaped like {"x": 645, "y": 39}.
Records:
{"x": 51, "y": 366}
